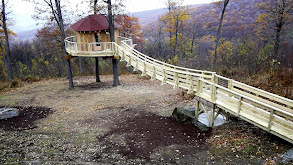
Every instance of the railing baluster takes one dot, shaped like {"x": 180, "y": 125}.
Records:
{"x": 230, "y": 86}
{"x": 144, "y": 69}
{"x": 239, "y": 105}
{"x": 198, "y": 87}
{"x": 129, "y": 62}
{"x": 164, "y": 77}
{"x": 154, "y": 74}
{"x": 176, "y": 80}
{"x": 213, "y": 93}
{"x": 191, "y": 86}
{"x": 270, "y": 120}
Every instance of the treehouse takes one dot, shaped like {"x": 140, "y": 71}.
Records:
{"x": 92, "y": 37}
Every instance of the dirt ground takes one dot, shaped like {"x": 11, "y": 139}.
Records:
{"x": 96, "y": 123}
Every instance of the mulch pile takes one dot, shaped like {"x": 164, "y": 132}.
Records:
{"x": 145, "y": 131}
{"x": 26, "y": 118}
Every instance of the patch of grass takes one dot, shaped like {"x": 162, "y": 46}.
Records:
{"x": 30, "y": 78}
{"x": 6, "y": 85}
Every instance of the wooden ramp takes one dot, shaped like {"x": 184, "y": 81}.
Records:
{"x": 216, "y": 94}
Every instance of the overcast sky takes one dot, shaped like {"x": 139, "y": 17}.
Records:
{"x": 22, "y": 11}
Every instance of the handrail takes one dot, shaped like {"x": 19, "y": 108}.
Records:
{"x": 88, "y": 49}
{"x": 248, "y": 98}
{"x": 166, "y": 64}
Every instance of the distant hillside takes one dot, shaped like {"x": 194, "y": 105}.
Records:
{"x": 239, "y": 17}
{"x": 238, "y": 21}
{"x": 26, "y": 35}
{"x": 146, "y": 17}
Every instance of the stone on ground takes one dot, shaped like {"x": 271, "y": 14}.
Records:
{"x": 6, "y": 113}
{"x": 186, "y": 116}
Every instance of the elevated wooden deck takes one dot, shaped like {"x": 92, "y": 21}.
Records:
{"x": 94, "y": 49}
{"x": 268, "y": 111}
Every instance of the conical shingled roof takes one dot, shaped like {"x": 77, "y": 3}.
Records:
{"x": 93, "y": 23}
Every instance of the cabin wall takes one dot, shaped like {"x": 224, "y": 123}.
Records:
{"x": 83, "y": 38}
{"x": 104, "y": 37}
{"x": 116, "y": 32}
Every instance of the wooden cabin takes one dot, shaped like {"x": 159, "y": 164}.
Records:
{"x": 92, "y": 37}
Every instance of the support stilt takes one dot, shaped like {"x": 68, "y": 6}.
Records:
{"x": 97, "y": 70}
{"x": 69, "y": 74}
{"x": 115, "y": 72}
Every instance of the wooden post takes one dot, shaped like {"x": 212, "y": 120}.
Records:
{"x": 164, "y": 77}
{"x": 198, "y": 87}
{"x": 230, "y": 86}
{"x": 176, "y": 82}
{"x": 144, "y": 69}
{"x": 129, "y": 62}
{"x": 212, "y": 117}
{"x": 213, "y": 78}
{"x": 213, "y": 93}
{"x": 97, "y": 70}
{"x": 154, "y": 74}
{"x": 196, "y": 109}
{"x": 191, "y": 87}
{"x": 239, "y": 105}
{"x": 270, "y": 120}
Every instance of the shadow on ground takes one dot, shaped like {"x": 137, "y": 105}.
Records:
{"x": 144, "y": 132}
{"x": 95, "y": 85}
{"x": 26, "y": 118}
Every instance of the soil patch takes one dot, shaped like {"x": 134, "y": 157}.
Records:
{"x": 26, "y": 118}
{"x": 95, "y": 85}
{"x": 145, "y": 131}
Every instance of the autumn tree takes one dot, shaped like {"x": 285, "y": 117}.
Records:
{"x": 7, "y": 56}
{"x": 130, "y": 28}
{"x": 223, "y": 5}
{"x": 156, "y": 45}
{"x": 175, "y": 20}
{"x": 50, "y": 10}
{"x": 274, "y": 22}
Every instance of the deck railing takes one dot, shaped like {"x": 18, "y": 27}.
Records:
{"x": 88, "y": 49}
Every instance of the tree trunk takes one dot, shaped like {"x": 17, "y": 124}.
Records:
{"x": 219, "y": 35}
{"x": 61, "y": 26}
{"x": 8, "y": 59}
{"x": 112, "y": 37}
{"x": 176, "y": 37}
{"x": 97, "y": 70}
{"x": 192, "y": 43}
{"x": 95, "y": 6}
{"x": 279, "y": 26}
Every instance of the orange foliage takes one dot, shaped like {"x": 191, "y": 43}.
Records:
{"x": 130, "y": 27}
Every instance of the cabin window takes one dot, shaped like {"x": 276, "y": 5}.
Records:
{"x": 97, "y": 39}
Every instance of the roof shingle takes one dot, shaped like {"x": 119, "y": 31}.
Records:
{"x": 93, "y": 23}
